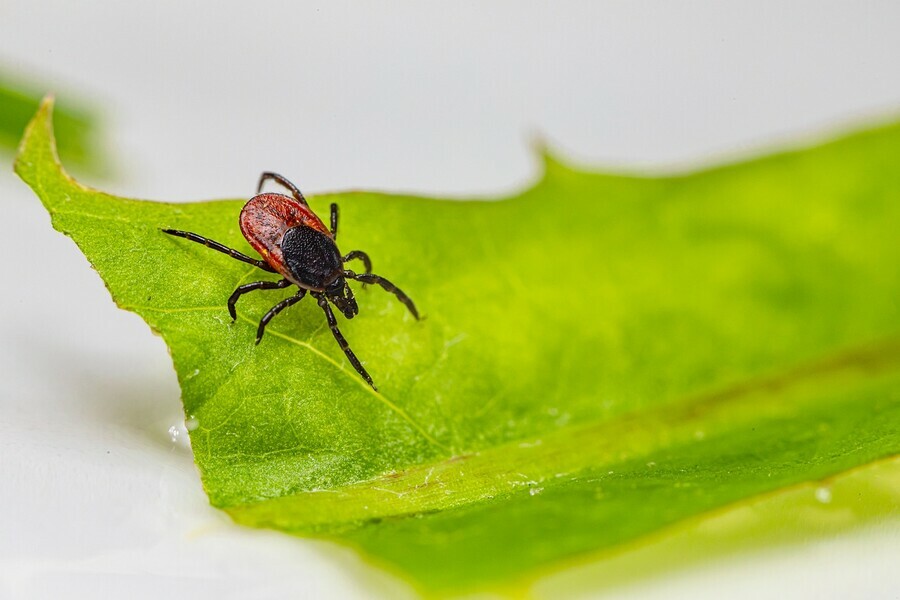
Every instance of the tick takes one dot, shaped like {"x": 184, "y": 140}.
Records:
{"x": 295, "y": 244}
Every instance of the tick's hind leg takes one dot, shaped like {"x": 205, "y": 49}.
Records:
{"x": 275, "y": 310}
{"x": 249, "y": 287}
{"x": 220, "y": 247}
{"x": 283, "y": 181}
{"x": 332, "y": 323}
{"x": 388, "y": 287}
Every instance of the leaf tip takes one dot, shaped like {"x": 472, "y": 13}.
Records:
{"x": 538, "y": 143}
{"x": 37, "y": 156}
{"x": 41, "y": 122}
{"x": 549, "y": 159}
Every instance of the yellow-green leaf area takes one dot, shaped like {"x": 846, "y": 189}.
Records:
{"x": 602, "y": 356}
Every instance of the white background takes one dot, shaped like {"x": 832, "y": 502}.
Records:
{"x": 196, "y": 100}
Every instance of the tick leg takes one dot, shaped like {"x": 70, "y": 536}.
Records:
{"x": 220, "y": 247}
{"x": 388, "y": 287}
{"x": 334, "y": 220}
{"x": 359, "y": 254}
{"x": 332, "y": 323}
{"x": 249, "y": 287}
{"x": 275, "y": 310}
{"x": 283, "y": 181}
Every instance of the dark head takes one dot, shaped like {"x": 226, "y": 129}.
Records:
{"x": 340, "y": 294}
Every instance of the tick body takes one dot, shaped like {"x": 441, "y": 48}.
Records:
{"x": 295, "y": 243}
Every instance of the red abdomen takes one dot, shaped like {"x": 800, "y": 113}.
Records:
{"x": 264, "y": 221}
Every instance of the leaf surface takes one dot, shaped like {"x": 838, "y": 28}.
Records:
{"x": 601, "y": 356}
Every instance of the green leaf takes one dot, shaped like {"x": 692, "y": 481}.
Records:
{"x": 601, "y": 356}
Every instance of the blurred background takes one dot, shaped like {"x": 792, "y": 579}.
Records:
{"x": 192, "y": 101}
